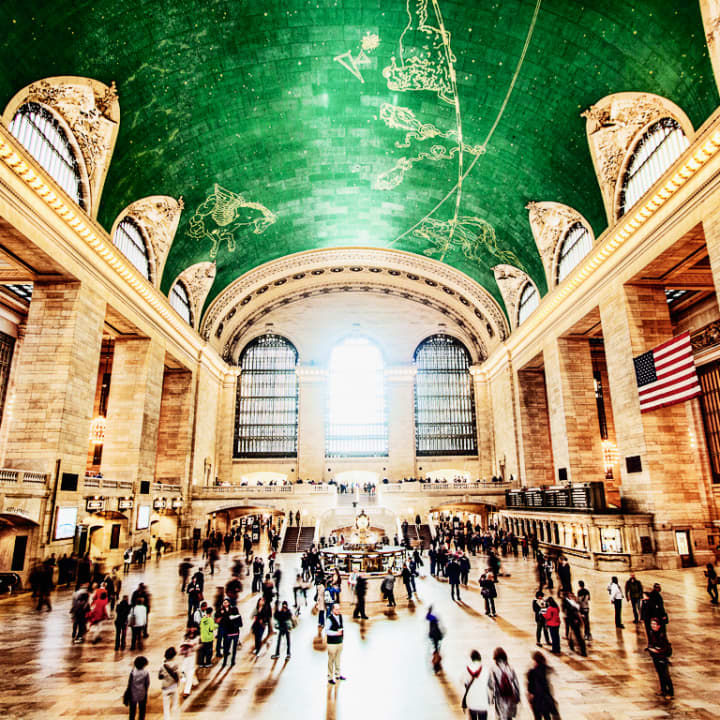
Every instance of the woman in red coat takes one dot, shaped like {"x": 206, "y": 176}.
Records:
{"x": 552, "y": 620}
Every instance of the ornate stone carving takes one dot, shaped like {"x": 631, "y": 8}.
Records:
{"x": 613, "y": 124}
{"x": 549, "y": 221}
{"x": 239, "y": 335}
{"x": 367, "y": 258}
{"x": 511, "y": 281}
{"x": 92, "y": 113}
{"x": 707, "y": 337}
{"x": 158, "y": 215}
{"x": 198, "y": 280}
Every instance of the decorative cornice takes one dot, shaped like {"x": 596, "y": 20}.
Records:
{"x": 374, "y": 260}
{"x": 706, "y": 337}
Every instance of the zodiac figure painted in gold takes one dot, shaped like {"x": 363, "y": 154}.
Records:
{"x": 229, "y": 212}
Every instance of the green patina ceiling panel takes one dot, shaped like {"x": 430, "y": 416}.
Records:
{"x": 412, "y": 124}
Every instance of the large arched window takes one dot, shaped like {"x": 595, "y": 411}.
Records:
{"x": 357, "y": 424}
{"x": 529, "y": 300}
{"x": 267, "y": 400}
{"x": 655, "y": 152}
{"x": 180, "y": 301}
{"x": 444, "y": 404}
{"x": 575, "y": 246}
{"x": 129, "y": 240}
{"x": 39, "y": 132}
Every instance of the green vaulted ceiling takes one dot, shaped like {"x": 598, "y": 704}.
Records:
{"x": 295, "y": 125}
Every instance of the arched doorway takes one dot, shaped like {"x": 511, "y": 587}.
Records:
{"x": 18, "y": 536}
{"x": 107, "y": 536}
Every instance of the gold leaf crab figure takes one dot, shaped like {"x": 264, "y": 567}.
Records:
{"x": 228, "y": 212}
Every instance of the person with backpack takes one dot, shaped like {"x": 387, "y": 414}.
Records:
{"x": 504, "y": 687}
{"x": 475, "y": 700}
{"x": 169, "y": 676}
{"x": 660, "y": 651}
{"x": 207, "y": 635}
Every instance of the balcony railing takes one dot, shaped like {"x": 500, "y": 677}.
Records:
{"x": 8, "y": 476}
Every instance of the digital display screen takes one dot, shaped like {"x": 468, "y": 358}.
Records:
{"x": 143, "y": 517}
{"x": 65, "y": 523}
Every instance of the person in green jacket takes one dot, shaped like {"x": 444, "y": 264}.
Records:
{"x": 207, "y": 635}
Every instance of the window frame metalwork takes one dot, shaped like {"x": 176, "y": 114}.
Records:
{"x": 576, "y": 244}
{"x": 180, "y": 301}
{"x": 709, "y": 376}
{"x": 370, "y": 439}
{"x": 267, "y": 386}
{"x": 38, "y": 130}
{"x": 529, "y": 297}
{"x": 660, "y": 146}
{"x": 7, "y": 348}
{"x": 449, "y": 376}
{"x": 130, "y": 240}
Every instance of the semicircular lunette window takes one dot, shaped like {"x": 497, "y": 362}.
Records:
{"x": 180, "y": 302}
{"x": 129, "y": 239}
{"x": 655, "y": 152}
{"x": 529, "y": 300}
{"x": 444, "y": 403}
{"x": 266, "y": 418}
{"x": 576, "y": 245}
{"x": 39, "y": 132}
{"x": 357, "y": 419}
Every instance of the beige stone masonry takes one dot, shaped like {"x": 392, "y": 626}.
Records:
{"x": 400, "y": 384}
{"x": 226, "y": 405}
{"x": 175, "y": 427}
{"x": 502, "y": 400}
{"x": 635, "y": 320}
{"x": 55, "y": 382}
{"x": 574, "y": 426}
{"x": 134, "y": 410}
{"x": 311, "y": 422}
{"x": 484, "y": 422}
{"x": 536, "y": 454}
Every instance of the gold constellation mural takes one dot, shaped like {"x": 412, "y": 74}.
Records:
{"x": 223, "y": 214}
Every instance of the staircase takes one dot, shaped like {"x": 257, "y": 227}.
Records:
{"x": 425, "y": 536}
{"x": 290, "y": 541}
{"x": 298, "y": 539}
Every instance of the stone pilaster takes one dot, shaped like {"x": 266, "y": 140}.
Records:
{"x": 175, "y": 427}
{"x": 400, "y": 383}
{"x": 536, "y": 454}
{"x": 670, "y": 484}
{"x": 574, "y": 426}
{"x": 55, "y": 379}
{"x": 311, "y": 422}
{"x": 131, "y": 438}
{"x": 225, "y": 432}
{"x": 502, "y": 398}
{"x": 484, "y": 422}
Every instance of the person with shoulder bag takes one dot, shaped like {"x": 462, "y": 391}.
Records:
{"x": 170, "y": 677}
{"x": 504, "y": 687}
{"x": 135, "y": 697}
{"x": 475, "y": 699}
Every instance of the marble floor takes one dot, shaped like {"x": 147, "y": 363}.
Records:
{"x": 386, "y": 658}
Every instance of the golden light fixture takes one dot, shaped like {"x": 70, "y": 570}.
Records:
{"x": 97, "y": 430}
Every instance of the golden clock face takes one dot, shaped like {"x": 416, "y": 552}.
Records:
{"x": 363, "y": 521}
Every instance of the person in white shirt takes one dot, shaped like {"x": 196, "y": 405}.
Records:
{"x": 616, "y": 598}
{"x": 476, "y": 697}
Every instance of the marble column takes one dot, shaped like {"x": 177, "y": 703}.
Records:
{"x": 175, "y": 427}
{"x": 536, "y": 452}
{"x": 484, "y": 422}
{"x": 56, "y": 374}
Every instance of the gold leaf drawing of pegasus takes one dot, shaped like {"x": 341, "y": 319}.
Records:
{"x": 472, "y": 235}
{"x": 223, "y": 213}
{"x": 426, "y": 65}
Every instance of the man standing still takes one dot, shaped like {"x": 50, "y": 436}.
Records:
{"x": 334, "y": 635}
{"x": 634, "y": 595}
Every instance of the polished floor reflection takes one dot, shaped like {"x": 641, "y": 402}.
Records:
{"x": 386, "y": 658}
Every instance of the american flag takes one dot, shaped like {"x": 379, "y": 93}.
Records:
{"x": 666, "y": 375}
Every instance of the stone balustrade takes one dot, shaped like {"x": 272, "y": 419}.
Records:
{"x": 8, "y": 476}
